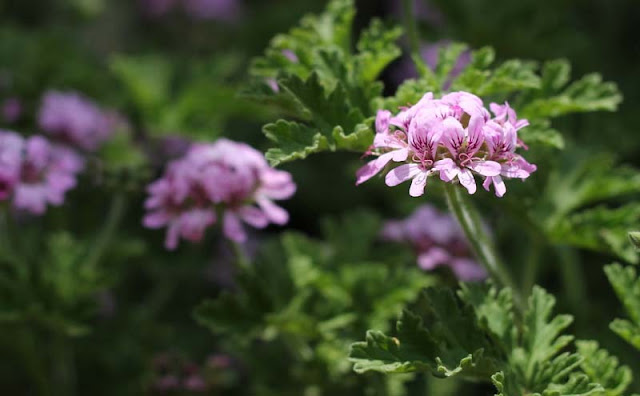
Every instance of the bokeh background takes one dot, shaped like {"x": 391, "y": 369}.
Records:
{"x": 174, "y": 69}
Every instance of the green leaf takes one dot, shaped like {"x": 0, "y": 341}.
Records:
{"x": 626, "y": 284}
{"x": 585, "y": 95}
{"x": 555, "y": 75}
{"x": 479, "y": 337}
{"x": 294, "y": 140}
{"x": 591, "y": 181}
{"x": 408, "y": 93}
{"x": 604, "y": 369}
{"x": 146, "y": 78}
{"x": 601, "y": 229}
{"x": 512, "y": 75}
{"x": 541, "y": 133}
{"x": 440, "y": 335}
{"x": 377, "y": 49}
{"x": 327, "y": 86}
{"x": 539, "y": 356}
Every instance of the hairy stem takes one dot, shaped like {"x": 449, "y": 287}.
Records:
{"x": 480, "y": 241}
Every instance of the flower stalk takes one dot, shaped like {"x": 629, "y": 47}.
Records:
{"x": 479, "y": 239}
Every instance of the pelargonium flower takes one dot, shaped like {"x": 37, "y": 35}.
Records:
{"x": 438, "y": 241}
{"x": 454, "y": 137}
{"x": 35, "y": 173}
{"x": 222, "y": 177}
{"x": 74, "y": 119}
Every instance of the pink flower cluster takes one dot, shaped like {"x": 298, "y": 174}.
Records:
{"x": 454, "y": 137}
{"x": 224, "y": 177}
{"x": 437, "y": 240}
{"x": 35, "y": 173}
{"x": 75, "y": 120}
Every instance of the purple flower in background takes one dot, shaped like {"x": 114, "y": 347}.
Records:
{"x": 438, "y": 241}
{"x": 11, "y": 110}
{"x": 35, "y": 173}
{"x": 223, "y": 177}
{"x": 224, "y": 10}
{"x": 74, "y": 119}
{"x": 47, "y": 172}
{"x": 11, "y": 148}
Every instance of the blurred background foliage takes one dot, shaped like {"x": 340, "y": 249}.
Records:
{"x": 108, "y": 311}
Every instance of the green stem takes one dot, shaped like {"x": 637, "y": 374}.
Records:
{"x": 480, "y": 241}
{"x": 241, "y": 256}
{"x": 114, "y": 216}
{"x": 412, "y": 30}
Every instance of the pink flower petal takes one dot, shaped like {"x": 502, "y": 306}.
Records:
{"x": 466, "y": 179}
{"x": 232, "y": 228}
{"x": 253, "y": 216}
{"x": 418, "y": 184}
{"x": 401, "y": 174}
{"x": 486, "y": 168}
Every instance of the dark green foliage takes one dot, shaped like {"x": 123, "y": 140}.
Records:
{"x": 479, "y": 336}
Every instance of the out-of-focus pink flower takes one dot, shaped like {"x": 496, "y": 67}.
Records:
{"x": 454, "y": 137}
{"x": 11, "y": 110}
{"x": 48, "y": 171}
{"x": 73, "y": 119}
{"x": 194, "y": 383}
{"x": 224, "y": 10}
{"x": 223, "y": 177}
{"x": 35, "y": 173}
{"x": 11, "y": 148}
{"x": 438, "y": 241}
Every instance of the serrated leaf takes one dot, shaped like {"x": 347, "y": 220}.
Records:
{"x": 601, "y": 229}
{"x": 520, "y": 357}
{"x": 321, "y": 82}
{"x": 555, "y": 75}
{"x": 626, "y": 284}
{"x": 377, "y": 48}
{"x": 512, "y": 75}
{"x": 604, "y": 369}
{"x": 494, "y": 309}
{"x": 447, "y": 58}
{"x": 295, "y": 141}
{"x": 587, "y": 94}
{"x": 441, "y": 335}
{"x": 541, "y": 133}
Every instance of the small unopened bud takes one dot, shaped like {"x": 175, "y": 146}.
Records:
{"x": 634, "y": 237}
{"x": 395, "y": 341}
